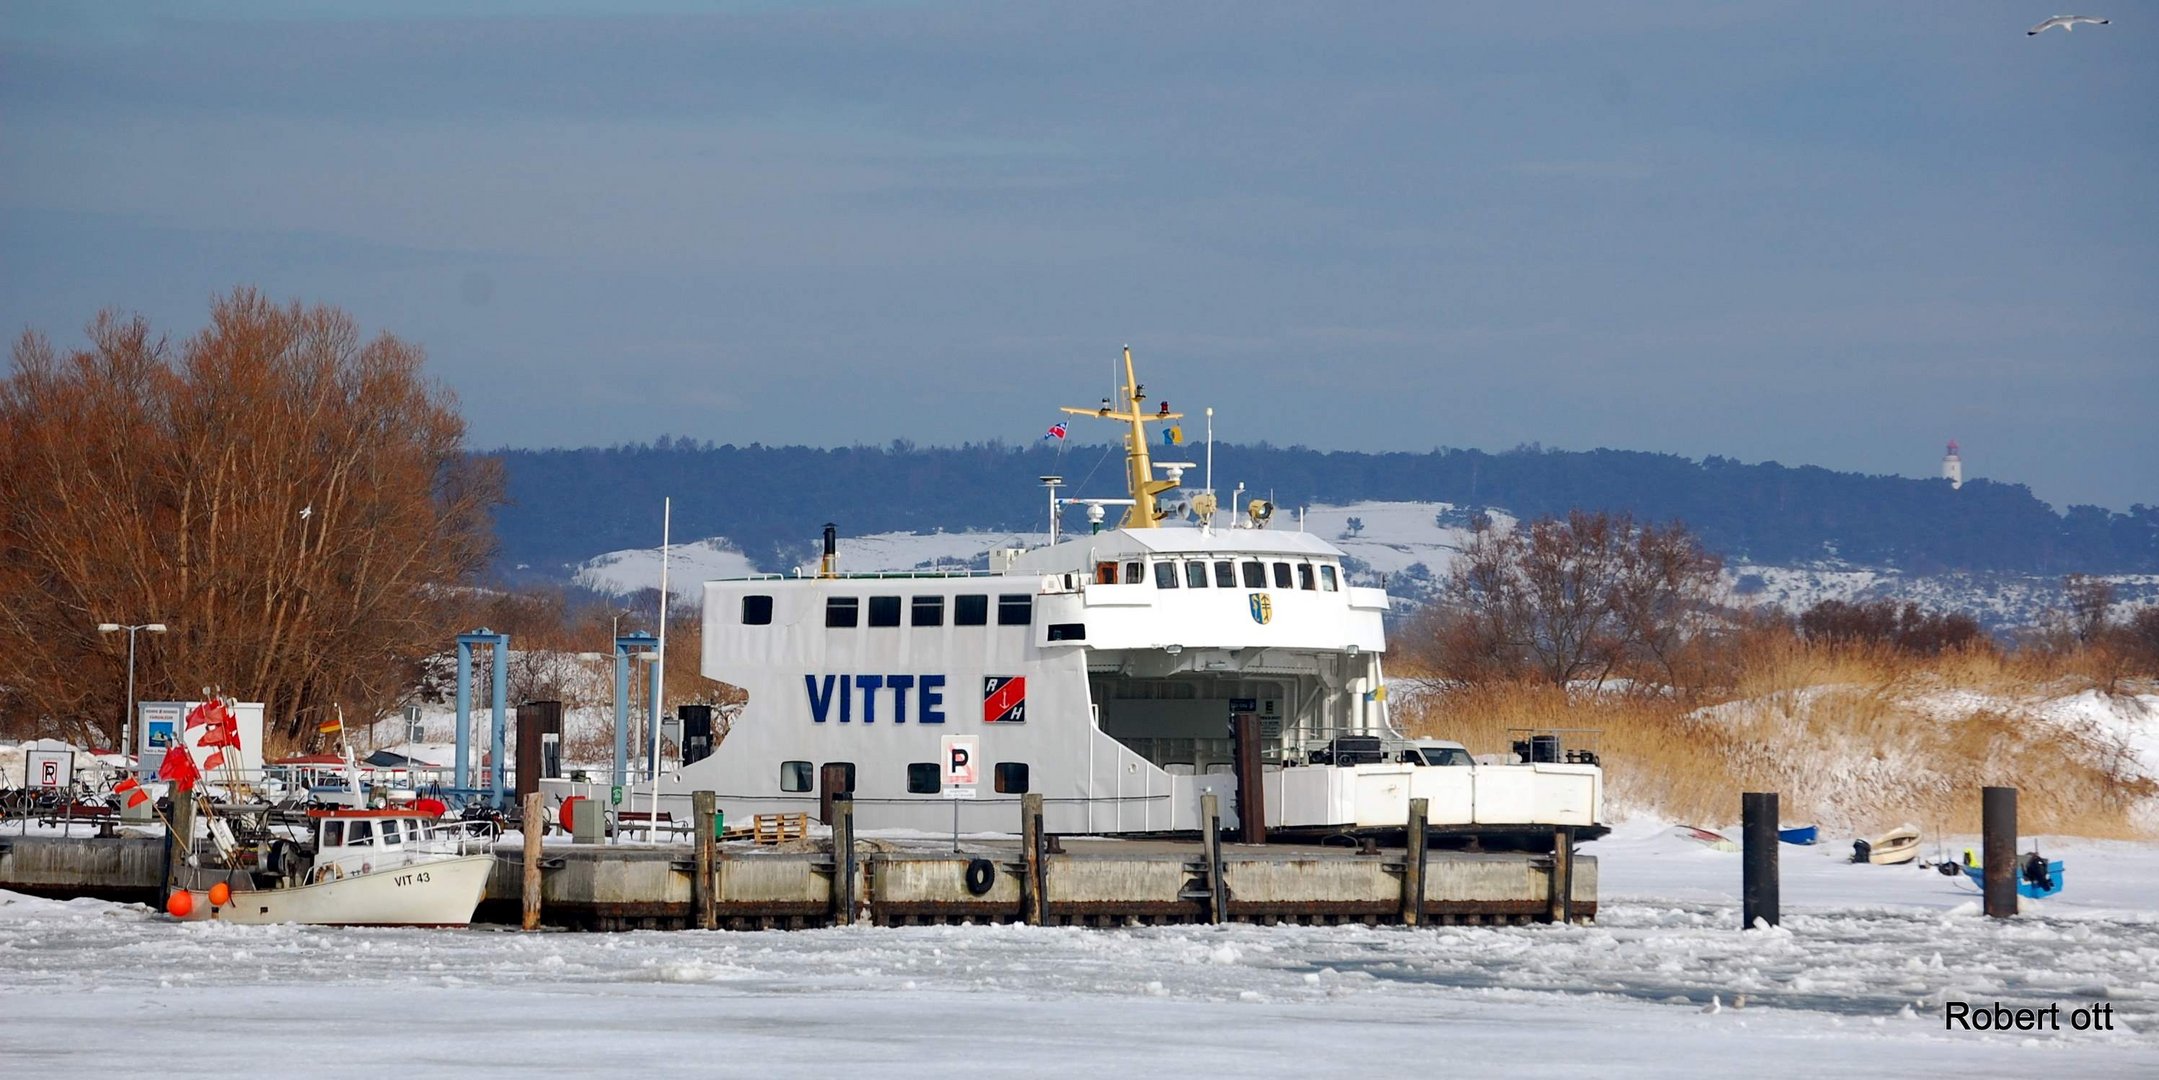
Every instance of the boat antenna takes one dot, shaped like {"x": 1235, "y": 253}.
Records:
{"x": 1210, "y": 457}
{"x": 1139, "y": 470}
{"x": 1053, "y": 483}
{"x": 659, "y": 664}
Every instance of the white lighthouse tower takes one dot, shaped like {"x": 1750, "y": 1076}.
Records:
{"x": 1953, "y": 467}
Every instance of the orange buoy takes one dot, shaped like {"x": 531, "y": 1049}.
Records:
{"x": 220, "y": 894}
{"x": 180, "y": 904}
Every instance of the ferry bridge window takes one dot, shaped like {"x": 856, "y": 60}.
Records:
{"x": 756, "y": 611}
{"x": 924, "y": 778}
{"x": 971, "y": 610}
{"x": 884, "y": 611}
{"x": 795, "y": 775}
{"x": 1165, "y": 575}
{"x": 1015, "y": 609}
{"x": 1105, "y": 573}
{"x": 842, "y": 610}
{"x": 1255, "y": 575}
{"x": 1195, "y": 574}
{"x": 1011, "y": 778}
{"x": 1327, "y": 578}
{"x": 1304, "y": 577}
{"x": 1068, "y": 631}
{"x": 1134, "y": 573}
{"x": 1225, "y": 575}
{"x": 927, "y": 611}
{"x": 1281, "y": 575}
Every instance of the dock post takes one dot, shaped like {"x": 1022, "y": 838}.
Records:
{"x": 1413, "y": 863}
{"x": 1559, "y": 886}
{"x": 831, "y": 782}
{"x": 1210, "y": 813}
{"x": 703, "y": 806}
{"x": 1251, "y": 782}
{"x": 1031, "y": 878}
{"x": 1998, "y": 849}
{"x": 843, "y": 858}
{"x": 179, "y": 837}
{"x": 1758, "y": 884}
{"x": 535, "y": 824}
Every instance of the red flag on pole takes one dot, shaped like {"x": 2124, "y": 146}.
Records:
{"x": 132, "y": 790}
{"x": 179, "y": 767}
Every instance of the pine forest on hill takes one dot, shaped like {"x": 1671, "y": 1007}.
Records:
{"x": 568, "y": 505}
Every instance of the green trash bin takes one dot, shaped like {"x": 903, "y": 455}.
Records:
{"x": 719, "y": 824}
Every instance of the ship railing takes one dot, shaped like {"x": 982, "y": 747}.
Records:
{"x": 872, "y": 575}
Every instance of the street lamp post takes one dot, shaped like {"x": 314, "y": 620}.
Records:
{"x": 127, "y": 719}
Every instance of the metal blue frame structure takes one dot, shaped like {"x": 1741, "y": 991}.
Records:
{"x": 501, "y": 673}
{"x": 627, "y": 645}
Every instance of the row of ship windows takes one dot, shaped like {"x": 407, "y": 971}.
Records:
{"x": 1013, "y": 609}
{"x": 1322, "y": 578}
{"x": 923, "y": 777}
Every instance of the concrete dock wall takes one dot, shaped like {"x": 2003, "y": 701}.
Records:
{"x": 633, "y": 886}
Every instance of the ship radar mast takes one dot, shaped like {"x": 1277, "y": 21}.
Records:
{"x": 1139, "y": 470}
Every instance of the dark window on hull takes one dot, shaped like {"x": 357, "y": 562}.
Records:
{"x": 756, "y": 611}
{"x": 796, "y": 776}
{"x": 842, "y": 611}
{"x": 1015, "y": 610}
{"x": 971, "y": 610}
{"x": 884, "y": 611}
{"x": 924, "y": 778}
{"x": 927, "y": 611}
{"x": 1011, "y": 778}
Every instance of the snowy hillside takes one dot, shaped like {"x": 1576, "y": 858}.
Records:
{"x": 1408, "y": 547}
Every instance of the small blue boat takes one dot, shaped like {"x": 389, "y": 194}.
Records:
{"x": 1799, "y": 834}
{"x": 2032, "y": 882}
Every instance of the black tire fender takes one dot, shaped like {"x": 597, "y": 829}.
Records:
{"x": 981, "y": 874}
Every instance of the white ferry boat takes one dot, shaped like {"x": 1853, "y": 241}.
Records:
{"x": 1111, "y": 672}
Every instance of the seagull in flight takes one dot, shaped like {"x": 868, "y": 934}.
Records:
{"x": 2068, "y": 23}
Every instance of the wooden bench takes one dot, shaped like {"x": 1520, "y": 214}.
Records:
{"x": 649, "y": 823}
{"x": 89, "y": 813}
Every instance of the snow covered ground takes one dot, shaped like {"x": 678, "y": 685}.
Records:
{"x": 1410, "y": 546}
{"x": 1851, "y": 985}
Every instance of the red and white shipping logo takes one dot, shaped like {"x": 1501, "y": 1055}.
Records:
{"x": 1004, "y": 699}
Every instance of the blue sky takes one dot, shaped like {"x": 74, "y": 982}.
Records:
{"x": 1837, "y": 234}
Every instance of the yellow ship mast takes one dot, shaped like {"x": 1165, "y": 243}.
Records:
{"x": 1139, "y": 469}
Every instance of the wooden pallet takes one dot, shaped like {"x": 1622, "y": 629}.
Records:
{"x": 778, "y": 828}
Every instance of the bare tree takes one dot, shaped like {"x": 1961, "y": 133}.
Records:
{"x": 1572, "y": 599}
{"x": 2090, "y": 602}
{"x": 294, "y": 501}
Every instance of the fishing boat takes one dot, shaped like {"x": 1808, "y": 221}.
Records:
{"x": 360, "y": 867}
{"x": 1124, "y": 673}
{"x": 1897, "y": 846}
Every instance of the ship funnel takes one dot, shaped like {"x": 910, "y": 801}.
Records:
{"x": 830, "y": 566}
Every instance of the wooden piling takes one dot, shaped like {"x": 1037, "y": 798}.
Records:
{"x": 843, "y": 858}
{"x": 1758, "y": 884}
{"x": 1251, "y": 783}
{"x": 704, "y": 805}
{"x": 1998, "y": 849}
{"x": 1413, "y": 863}
{"x": 1210, "y": 814}
{"x": 1031, "y": 877}
{"x": 535, "y": 824}
{"x": 1559, "y": 887}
